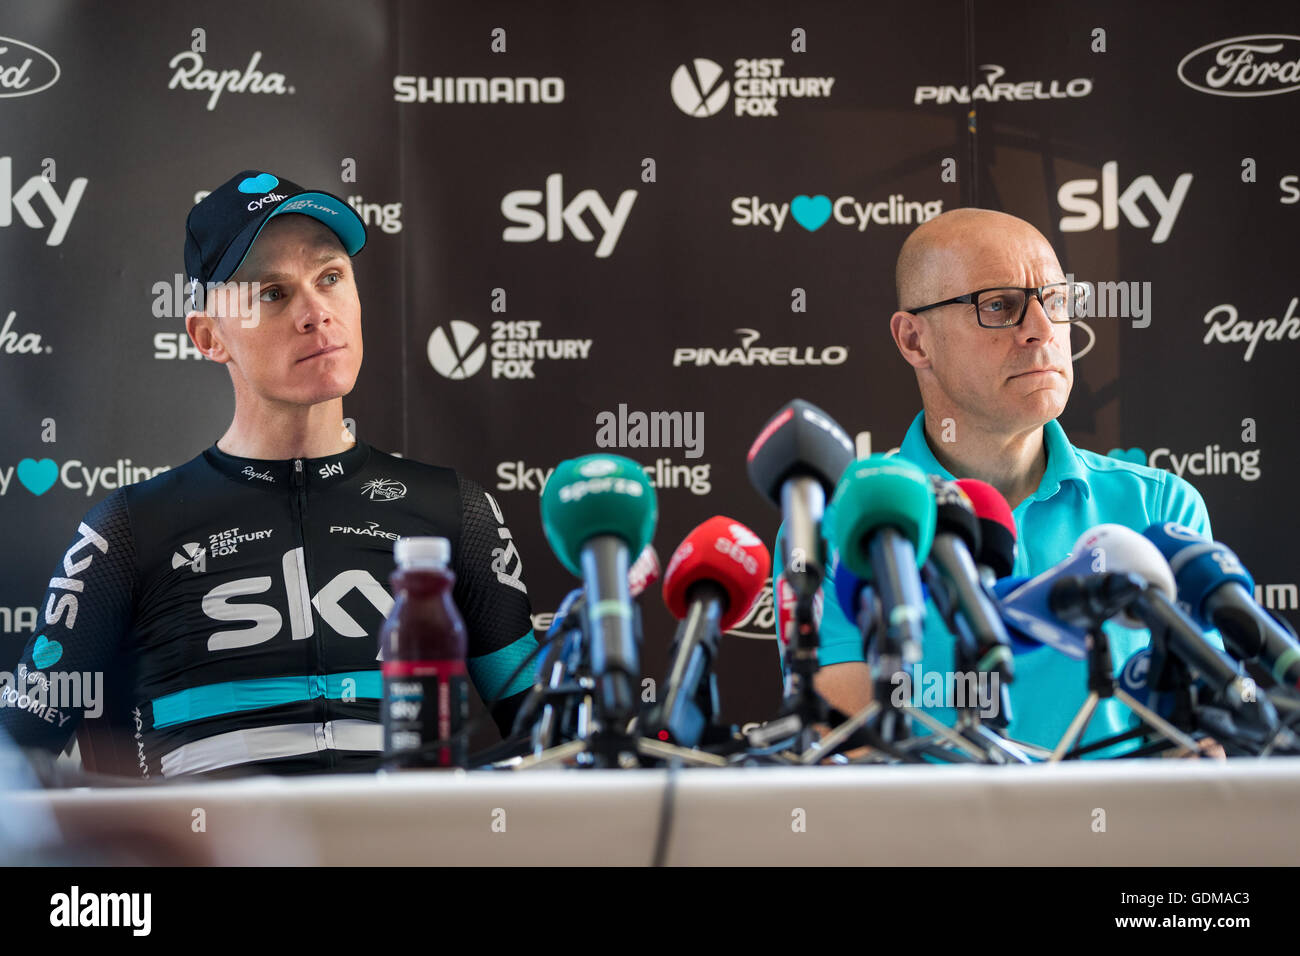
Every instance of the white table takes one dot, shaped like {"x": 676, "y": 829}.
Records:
{"x": 1156, "y": 812}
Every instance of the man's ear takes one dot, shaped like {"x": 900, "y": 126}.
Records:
{"x": 907, "y": 329}
{"x": 202, "y": 331}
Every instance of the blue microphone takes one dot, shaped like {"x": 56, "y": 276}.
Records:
{"x": 1217, "y": 591}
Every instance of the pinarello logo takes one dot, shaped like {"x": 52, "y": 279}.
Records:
{"x": 25, "y": 69}
{"x": 1263, "y": 64}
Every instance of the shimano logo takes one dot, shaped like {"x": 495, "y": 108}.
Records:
{"x": 372, "y": 530}
{"x": 748, "y": 354}
{"x": 478, "y": 89}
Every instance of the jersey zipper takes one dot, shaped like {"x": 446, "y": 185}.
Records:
{"x": 300, "y": 511}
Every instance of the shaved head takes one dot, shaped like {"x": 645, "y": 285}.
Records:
{"x": 940, "y": 248}
{"x": 999, "y": 382}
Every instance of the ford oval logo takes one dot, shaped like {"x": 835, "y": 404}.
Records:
{"x": 1260, "y": 65}
{"x": 25, "y": 69}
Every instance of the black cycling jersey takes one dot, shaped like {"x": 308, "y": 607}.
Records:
{"x": 239, "y": 602}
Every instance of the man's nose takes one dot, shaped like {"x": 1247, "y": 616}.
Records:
{"x": 1036, "y": 327}
{"x": 313, "y": 310}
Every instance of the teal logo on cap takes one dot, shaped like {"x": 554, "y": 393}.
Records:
{"x": 261, "y": 183}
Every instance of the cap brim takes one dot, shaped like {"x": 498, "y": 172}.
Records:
{"x": 333, "y": 212}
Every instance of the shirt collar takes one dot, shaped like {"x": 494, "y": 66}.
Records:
{"x": 278, "y": 472}
{"x": 1062, "y": 462}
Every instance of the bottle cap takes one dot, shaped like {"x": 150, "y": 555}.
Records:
{"x": 424, "y": 552}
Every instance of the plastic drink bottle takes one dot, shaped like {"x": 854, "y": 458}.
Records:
{"x": 426, "y": 693}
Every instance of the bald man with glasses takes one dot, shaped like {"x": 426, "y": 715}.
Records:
{"x": 984, "y": 320}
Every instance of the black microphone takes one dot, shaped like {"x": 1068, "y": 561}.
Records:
{"x": 794, "y": 463}
{"x": 956, "y": 538}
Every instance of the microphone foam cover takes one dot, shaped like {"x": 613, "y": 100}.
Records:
{"x": 799, "y": 440}
{"x": 725, "y": 552}
{"x": 878, "y": 492}
{"x": 997, "y": 526}
{"x": 597, "y": 495}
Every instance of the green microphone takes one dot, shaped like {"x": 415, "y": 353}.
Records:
{"x": 597, "y": 511}
{"x": 882, "y": 519}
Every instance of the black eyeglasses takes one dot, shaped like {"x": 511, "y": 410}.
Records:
{"x": 1005, "y": 308}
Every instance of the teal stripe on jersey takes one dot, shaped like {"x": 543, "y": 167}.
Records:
{"x": 230, "y": 697}
{"x": 490, "y": 671}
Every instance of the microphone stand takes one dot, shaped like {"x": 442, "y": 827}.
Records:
{"x": 572, "y": 707}
{"x": 1122, "y": 591}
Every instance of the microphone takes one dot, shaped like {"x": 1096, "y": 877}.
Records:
{"x": 644, "y": 571}
{"x": 1061, "y": 605}
{"x": 563, "y": 656}
{"x": 956, "y": 538}
{"x": 595, "y": 510}
{"x": 882, "y": 526}
{"x": 1122, "y": 550}
{"x": 857, "y": 599}
{"x": 794, "y": 463}
{"x": 997, "y": 544}
{"x": 713, "y": 579}
{"x": 1219, "y": 592}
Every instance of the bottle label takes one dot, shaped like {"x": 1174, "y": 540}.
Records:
{"x": 425, "y": 702}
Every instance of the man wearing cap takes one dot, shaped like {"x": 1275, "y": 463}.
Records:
{"x": 984, "y": 313}
{"x": 233, "y": 603}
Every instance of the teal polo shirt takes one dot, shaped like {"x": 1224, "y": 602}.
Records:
{"x": 1079, "y": 490}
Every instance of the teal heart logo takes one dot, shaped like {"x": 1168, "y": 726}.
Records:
{"x": 46, "y": 652}
{"x": 1136, "y": 455}
{"x": 261, "y": 183}
{"x": 38, "y": 477}
{"x": 811, "y": 212}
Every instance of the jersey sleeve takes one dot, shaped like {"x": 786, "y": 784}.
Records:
{"x": 81, "y": 633}
{"x": 493, "y": 599}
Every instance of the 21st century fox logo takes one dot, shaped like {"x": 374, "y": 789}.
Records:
{"x": 700, "y": 88}
{"x": 456, "y": 350}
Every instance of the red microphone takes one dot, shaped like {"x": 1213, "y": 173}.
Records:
{"x": 711, "y": 581}
{"x": 997, "y": 526}
{"x": 643, "y": 572}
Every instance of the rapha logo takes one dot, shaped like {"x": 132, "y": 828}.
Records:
{"x": 383, "y": 489}
{"x": 25, "y": 69}
{"x": 15, "y": 343}
{"x": 190, "y": 75}
{"x": 1260, "y": 65}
